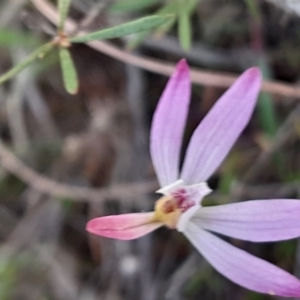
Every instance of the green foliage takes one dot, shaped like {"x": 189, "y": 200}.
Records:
{"x": 38, "y": 54}
{"x": 9, "y": 38}
{"x": 201, "y": 281}
{"x": 226, "y": 181}
{"x": 268, "y": 119}
{"x": 252, "y": 8}
{"x": 11, "y": 186}
{"x": 182, "y": 11}
{"x": 267, "y": 115}
{"x": 168, "y": 9}
{"x": 67, "y": 203}
{"x": 266, "y": 109}
{"x": 13, "y": 269}
{"x": 164, "y": 20}
{"x": 132, "y": 5}
{"x": 124, "y": 29}
{"x": 185, "y": 9}
{"x": 8, "y": 273}
{"x": 255, "y": 296}
{"x": 63, "y": 9}
{"x": 230, "y": 172}
{"x": 171, "y": 8}
{"x": 68, "y": 71}
{"x": 144, "y": 25}
{"x": 184, "y": 25}
{"x": 286, "y": 250}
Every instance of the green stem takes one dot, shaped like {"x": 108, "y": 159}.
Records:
{"x": 37, "y": 54}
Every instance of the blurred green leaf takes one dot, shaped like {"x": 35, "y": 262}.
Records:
{"x": 256, "y": 296}
{"x": 266, "y": 110}
{"x": 229, "y": 172}
{"x": 131, "y": 45}
{"x": 124, "y": 29}
{"x": 198, "y": 280}
{"x": 292, "y": 177}
{"x": 10, "y": 38}
{"x": 132, "y": 5}
{"x": 170, "y": 8}
{"x": 207, "y": 280}
{"x": 63, "y": 9}
{"x": 266, "y": 113}
{"x": 226, "y": 181}
{"x": 184, "y": 25}
{"x": 185, "y": 9}
{"x": 38, "y": 54}
{"x": 67, "y": 203}
{"x": 8, "y": 274}
{"x": 50, "y": 60}
{"x": 268, "y": 117}
{"x": 286, "y": 250}
{"x": 68, "y": 71}
{"x": 253, "y": 8}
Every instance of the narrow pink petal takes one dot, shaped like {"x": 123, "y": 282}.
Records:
{"x": 256, "y": 221}
{"x": 123, "y": 227}
{"x": 127, "y": 233}
{"x": 216, "y": 134}
{"x": 242, "y": 268}
{"x": 168, "y": 125}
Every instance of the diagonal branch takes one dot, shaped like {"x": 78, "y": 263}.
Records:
{"x": 51, "y": 187}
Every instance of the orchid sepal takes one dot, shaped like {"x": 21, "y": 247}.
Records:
{"x": 125, "y": 226}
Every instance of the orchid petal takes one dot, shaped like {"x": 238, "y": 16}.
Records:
{"x": 168, "y": 125}
{"x": 242, "y": 268}
{"x": 185, "y": 218}
{"x": 123, "y": 227}
{"x": 197, "y": 192}
{"x": 218, "y": 131}
{"x": 256, "y": 221}
{"x": 168, "y": 189}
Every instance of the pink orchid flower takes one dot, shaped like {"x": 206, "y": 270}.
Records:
{"x": 180, "y": 206}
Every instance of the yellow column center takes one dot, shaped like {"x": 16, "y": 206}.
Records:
{"x": 167, "y": 211}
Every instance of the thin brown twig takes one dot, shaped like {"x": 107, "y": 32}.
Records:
{"x": 51, "y": 187}
{"x": 216, "y": 79}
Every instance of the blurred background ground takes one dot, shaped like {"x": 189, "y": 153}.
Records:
{"x": 99, "y": 138}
